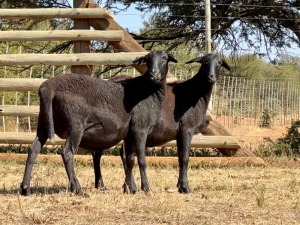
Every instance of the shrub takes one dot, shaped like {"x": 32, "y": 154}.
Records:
{"x": 290, "y": 144}
{"x": 267, "y": 117}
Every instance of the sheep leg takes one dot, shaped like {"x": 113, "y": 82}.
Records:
{"x": 128, "y": 163}
{"x": 183, "y": 148}
{"x": 97, "y": 170}
{"x": 33, "y": 151}
{"x": 70, "y": 148}
{"x": 123, "y": 157}
{"x": 140, "y": 143}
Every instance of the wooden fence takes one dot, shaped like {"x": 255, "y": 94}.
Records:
{"x": 20, "y": 89}
{"x": 18, "y": 94}
{"x": 235, "y": 102}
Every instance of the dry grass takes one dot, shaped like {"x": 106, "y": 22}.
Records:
{"x": 232, "y": 195}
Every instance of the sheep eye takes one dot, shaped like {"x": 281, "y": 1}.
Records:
{"x": 165, "y": 58}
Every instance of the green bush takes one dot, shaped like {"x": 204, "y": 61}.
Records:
{"x": 20, "y": 149}
{"x": 290, "y": 144}
{"x": 160, "y": 151}
{"x": 267, "y": 117}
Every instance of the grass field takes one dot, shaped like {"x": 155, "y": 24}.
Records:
{"x": 227, "y": 195}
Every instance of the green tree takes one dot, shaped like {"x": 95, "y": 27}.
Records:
{"x": 251, "y": 66}
{"x": 269, "y": 23}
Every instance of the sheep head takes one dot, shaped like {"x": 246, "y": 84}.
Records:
{"x": 210, "y": 66}
{"x": 157, "y": 64}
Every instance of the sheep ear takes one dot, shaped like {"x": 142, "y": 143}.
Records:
{"x": 171, "y": 58}
{"x": 139, "y": 60}
{"x": 225, "y": 65}
{"x": 199, "y": 60}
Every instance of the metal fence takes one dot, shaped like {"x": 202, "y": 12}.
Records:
{"x": 242, "y": 101}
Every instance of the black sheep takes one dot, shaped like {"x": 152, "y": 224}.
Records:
{"x": 183, "y": 114}
{"x": 95, "y": 114}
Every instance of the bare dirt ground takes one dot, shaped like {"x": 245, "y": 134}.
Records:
{"x": 249, "y": 134}
{"x": 253, "y": 135}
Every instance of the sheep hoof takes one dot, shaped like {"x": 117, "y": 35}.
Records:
{"x": 100, "y": 187}
{"x": 76, "y": 190}
{"x": 129, "y": 189}
{"x": 184, "y": 190}
{"x": 146, "y": 189}
{"x": 25, "y": 190}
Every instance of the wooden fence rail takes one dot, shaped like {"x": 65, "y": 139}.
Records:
{"x": 20, "y": 84}
{"x": 73, "y": 13}
{"x": 19, "y": 110}
{"x": 61, "y": 35}
{"x": 224, "y": 142}
{"x": 122, "y": 58}
{"x": 33, "y": 111}
{"x": 27, "y": 84}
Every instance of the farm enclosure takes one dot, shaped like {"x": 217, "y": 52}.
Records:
{"x": 81, "y": 64}
{"x": 235, "y": 195}
{"x": 233, "y": 102}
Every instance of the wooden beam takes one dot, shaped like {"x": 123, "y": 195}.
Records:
{"x": 122, "y": 58}
{"x": 226, "y": 142}
{"x": 26, "y": 84}
{"x": 25, "y": 138}
{"x": 55, "y": 13}
{"x": 60, "y": 35}
{"x": 81, "y": 46}
{"x": 19, "y": 110}
{"x": 128, "y": 44}
{"x": 195, "y": 162}
{"x": 217, "y": 129}
{"x": 20, "y": 84}
{"x": 32, "y": 111}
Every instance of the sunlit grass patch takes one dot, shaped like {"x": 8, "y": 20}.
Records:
{"x": 237, "y": 195}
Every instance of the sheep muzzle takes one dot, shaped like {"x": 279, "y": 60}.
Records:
{"x": 212, "y": 78}
{"x": 155, "y": 76}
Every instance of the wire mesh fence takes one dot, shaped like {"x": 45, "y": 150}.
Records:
{"x": 244, "y": 101}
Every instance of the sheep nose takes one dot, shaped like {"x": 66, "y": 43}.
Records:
{"x": 155, "y": 75}
{"x": 212, "y": 77}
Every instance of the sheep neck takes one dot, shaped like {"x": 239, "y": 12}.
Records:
{"x": 199, "y": 87}
{"x": 141, "y": 88}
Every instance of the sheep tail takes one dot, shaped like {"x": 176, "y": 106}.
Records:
{"x": 46, "y": 110}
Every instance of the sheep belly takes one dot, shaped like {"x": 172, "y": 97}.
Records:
{"x": 161, "y": 134}
{"x": 103, "y": 135}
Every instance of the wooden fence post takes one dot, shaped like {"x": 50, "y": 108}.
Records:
{"x": 81, "y": 46}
